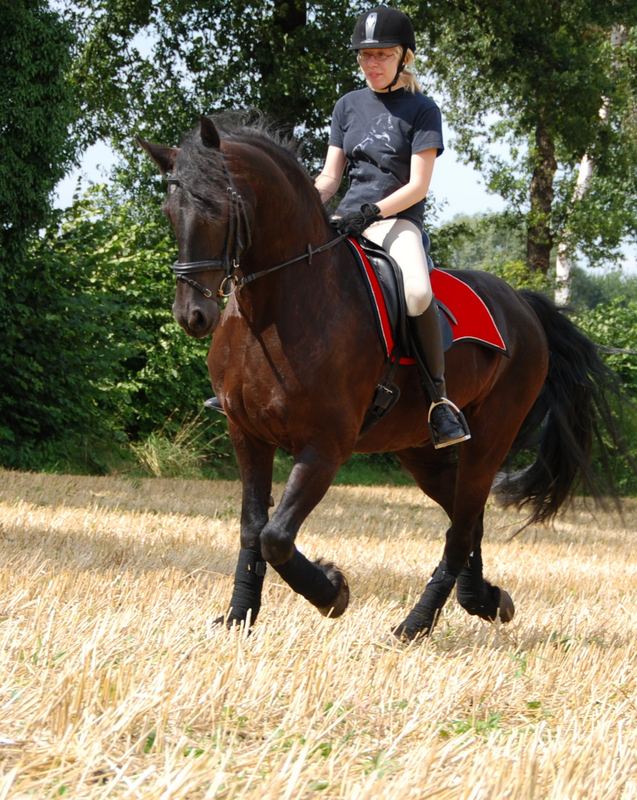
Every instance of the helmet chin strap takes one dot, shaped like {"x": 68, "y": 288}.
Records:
{"x": 391, "y": 85}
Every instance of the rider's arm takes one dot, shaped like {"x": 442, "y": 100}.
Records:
{"x": 420, "y": 170}
{"x": 329, "y": 179}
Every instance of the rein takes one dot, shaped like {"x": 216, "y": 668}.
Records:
{"x": 238, "y": 239}
{"x": 310, "y": 252}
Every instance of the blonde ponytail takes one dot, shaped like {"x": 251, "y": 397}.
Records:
{"x": 408, "y": 78}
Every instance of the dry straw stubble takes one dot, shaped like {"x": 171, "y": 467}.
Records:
{"x": 114, "y": 683}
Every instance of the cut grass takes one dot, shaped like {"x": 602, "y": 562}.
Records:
{"x": 114, "y": 682}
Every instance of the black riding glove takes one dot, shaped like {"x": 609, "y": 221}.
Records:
{"x": 355, "y": 223}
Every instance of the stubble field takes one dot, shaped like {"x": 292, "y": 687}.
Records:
{"x": 115, "y": 684}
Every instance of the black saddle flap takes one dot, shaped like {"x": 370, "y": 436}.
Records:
{"x": 390, "y": 279}
{"x": 391, "y": 282}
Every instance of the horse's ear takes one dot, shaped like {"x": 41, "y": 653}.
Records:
{"x": 209, "y": 133}
{"x": 161, "y": 154}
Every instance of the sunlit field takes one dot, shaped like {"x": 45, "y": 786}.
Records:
{"x": 115, "y": 684}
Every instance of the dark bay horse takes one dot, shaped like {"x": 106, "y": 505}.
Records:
{"x": 295, "y": 360}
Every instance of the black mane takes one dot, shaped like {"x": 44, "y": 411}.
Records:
{"x": 202, "y": 171}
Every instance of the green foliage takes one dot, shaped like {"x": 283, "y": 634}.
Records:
{"x": 287, "y": 59}
{"x": 613, "y": 327}
{"x": 157, "y": 367}
{"x": 531, "y": 80}
{"x": 53, "y": 368}
{"x": 589, "y": 290}
{"x": 479, "y": 241}
{"x": 197, "y": 448}
{"x": 517, "y": 275}
{"x": 489, "y": 242}
{"x": 481, "y": 727}
{"x": 36, "y": 111}
{"x": 108, "y": 360}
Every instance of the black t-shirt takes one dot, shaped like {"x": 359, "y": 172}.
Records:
{"x": 379, "y": 132}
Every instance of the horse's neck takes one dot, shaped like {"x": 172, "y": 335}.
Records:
{"x": 301, "y": 285}
{"x": 287, "y": 217}
{"x": 286, "y": 225}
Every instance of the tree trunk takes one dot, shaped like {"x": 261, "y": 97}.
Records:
{"x": 288, "y": 18}
{"x": 539, "y": 235}
{"x": 564, "y": 261}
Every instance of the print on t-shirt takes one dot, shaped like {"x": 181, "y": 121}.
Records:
{"x": 381, "y": 130}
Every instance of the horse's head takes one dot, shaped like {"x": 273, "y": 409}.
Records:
{"x": 210, "y": 223}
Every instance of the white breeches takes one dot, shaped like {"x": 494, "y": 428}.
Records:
{"x": 403, "y": 241}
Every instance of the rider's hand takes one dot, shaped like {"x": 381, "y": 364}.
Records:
{"x": 355, "y": 223}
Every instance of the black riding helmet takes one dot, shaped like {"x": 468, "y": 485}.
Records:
{"x": 384, "y": 27}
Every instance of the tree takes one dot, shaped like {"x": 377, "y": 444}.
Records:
{"x": 289, "y": 60}
{"x": 107, "y": 362}
{"x": 478, "y": 241}
{"x": 37, "y": 111}
{"x": 534, "y": 75}
{"x": 564, "y": 260}
{"x": 143, "y": 369}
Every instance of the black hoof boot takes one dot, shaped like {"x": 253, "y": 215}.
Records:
{"x": 214, "y": 405}
{"x": 447, "y": 424}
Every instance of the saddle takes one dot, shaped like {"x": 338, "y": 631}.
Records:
{"x": 464, "y": 317}
{"x": 384, "y": 281}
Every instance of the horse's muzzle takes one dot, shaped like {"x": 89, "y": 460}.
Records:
{"x": 197, "y": 320}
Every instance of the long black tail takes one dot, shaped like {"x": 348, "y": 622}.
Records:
{"x": 571, "y": 420}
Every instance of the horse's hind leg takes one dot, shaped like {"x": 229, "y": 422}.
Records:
{"x": 437, "y": 474}
{"x": 475, "y": 594}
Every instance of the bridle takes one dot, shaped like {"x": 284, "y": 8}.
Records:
{"x": 238, "y": 239}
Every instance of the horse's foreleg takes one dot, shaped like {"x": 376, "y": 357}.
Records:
{"x": 321, "y": 583}
{"x": 255, "y": 463}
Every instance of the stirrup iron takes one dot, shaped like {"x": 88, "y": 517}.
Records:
{"x": 457, "y": 428}
{"x": 213, "y": 404}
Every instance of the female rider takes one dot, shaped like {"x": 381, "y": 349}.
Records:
{"x": 388, "y": 135}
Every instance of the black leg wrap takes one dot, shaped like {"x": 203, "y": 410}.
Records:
{"x": 308, "y": 580}
{"x": 477, "y": 596}
{"x": 248, "y": 582}
{"x": 422, "y": 618}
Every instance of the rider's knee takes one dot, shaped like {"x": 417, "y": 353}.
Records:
{"x": 418, "y": 301}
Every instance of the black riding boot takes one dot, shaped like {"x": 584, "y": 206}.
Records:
{"x": 214, "y": 405}
{"x": 446, "y": 422}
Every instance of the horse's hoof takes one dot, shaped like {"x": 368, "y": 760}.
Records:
{"x": 506, "y": 609}
{"x": 229, "y": 622}
{"x": 406, "y": 635}
{"x": 391, "y": 642}
{"x": 339, "y": 581}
